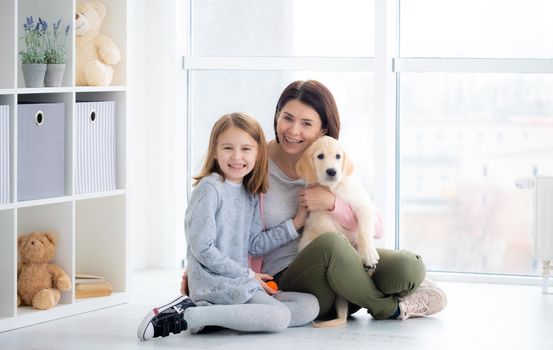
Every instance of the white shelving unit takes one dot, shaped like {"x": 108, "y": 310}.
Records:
{"x": 91, "y": 228}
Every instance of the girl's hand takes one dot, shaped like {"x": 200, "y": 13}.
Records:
{"x": 317, "y": 197}
{"x": 184, "y": 283}
{"x": 262, "y": 277}
{"x": 299, "y": 219}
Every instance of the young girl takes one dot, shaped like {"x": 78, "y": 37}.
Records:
{"x": 222, "y": 225}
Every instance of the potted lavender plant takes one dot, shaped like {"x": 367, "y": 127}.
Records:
{"x": 55, "y": 54}
{"x": 33, "y": 61}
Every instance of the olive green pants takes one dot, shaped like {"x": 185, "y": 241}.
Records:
{"x": 330, "y": 266}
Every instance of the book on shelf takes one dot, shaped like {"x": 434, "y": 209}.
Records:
{"x": 87, "y": 286}
{"x": 87, "y": 290}
{"x": 83, "y": 278}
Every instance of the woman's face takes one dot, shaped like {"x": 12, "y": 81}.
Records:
{"x": 298, "y": 125}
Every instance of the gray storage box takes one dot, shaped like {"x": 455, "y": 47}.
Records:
{"x": 95, "y": 147}
{"x": 40, "y": 151}
{"x": 4, "y": 154}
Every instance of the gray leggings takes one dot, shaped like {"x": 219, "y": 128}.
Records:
{"x": 262, "y": 313}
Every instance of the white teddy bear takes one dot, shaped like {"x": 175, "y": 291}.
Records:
{"x": 96, "y": 53}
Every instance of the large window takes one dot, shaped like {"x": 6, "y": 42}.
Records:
{"x": 469, "y": 125}
{"x": 447, "y": 101}
{"x": 465, "y": 138}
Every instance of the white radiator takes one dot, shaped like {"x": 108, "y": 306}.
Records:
{"x": 542, "y": 217}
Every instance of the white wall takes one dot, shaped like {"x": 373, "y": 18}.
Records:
{"x": 156, "y": 134}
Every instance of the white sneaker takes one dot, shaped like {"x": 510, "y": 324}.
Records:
{"x": 428, "y": 299}
{"x": 166, "y": 319}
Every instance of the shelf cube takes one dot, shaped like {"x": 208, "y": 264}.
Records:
{"x": 41, "y": 151}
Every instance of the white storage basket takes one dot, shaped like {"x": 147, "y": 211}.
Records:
{"x": 41, "y": 150}
{"x": 95, "y": 147}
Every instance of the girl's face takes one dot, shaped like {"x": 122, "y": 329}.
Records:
{"x": 236, "y": 153}
{"x": 298, "y": 125}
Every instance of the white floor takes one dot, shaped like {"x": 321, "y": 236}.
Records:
{"x": 479, "y": 316}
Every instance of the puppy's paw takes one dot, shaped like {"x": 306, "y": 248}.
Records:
{"x": 370, "y": 260}
{"x": 370, "y": 269}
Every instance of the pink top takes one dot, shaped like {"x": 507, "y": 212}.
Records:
{"x": 344, "y": 215}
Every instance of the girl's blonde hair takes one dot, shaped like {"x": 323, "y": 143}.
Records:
{"x": 257, "y": 181}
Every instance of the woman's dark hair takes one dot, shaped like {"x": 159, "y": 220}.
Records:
{"x": 318, "y": 97}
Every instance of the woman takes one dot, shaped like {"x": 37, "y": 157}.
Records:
{"x": 329, "y": 266}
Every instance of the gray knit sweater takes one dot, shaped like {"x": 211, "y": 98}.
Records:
{"x": 281, "y": 204}
{"x": 222, "y": 226}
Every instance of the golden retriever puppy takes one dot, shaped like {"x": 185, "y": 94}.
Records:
{"x": 326, "y": 163}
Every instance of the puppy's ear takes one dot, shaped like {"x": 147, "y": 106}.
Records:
{"x": 347, "y": 165}
{"x": 304, "y": 167}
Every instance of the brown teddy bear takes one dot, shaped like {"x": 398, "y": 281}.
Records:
{"x": 39, "y": 283}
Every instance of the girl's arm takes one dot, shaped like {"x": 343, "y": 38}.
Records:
{"x": 263, "y": 240}
{"x": 201, "y": 231}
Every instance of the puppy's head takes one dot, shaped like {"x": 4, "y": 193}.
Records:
{"x": 324, "y": 162}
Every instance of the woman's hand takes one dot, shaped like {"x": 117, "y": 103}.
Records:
{"x": 317, "y": 197}
{"x": 184, "y": 283}
{"x": 262, "y": 277}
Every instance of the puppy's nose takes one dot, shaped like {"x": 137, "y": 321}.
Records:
{"x": 331, "y": 172}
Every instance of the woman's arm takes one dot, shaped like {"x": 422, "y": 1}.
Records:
{"x": 344, "y": 215}
{"x": 320, "y": 198}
